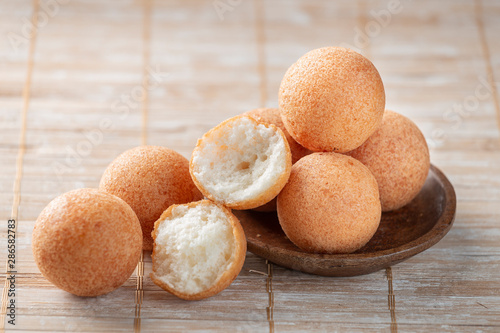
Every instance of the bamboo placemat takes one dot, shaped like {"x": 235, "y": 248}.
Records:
{"x": 82, "y": 81}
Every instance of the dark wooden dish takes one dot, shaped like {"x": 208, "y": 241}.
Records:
{"x": 401, "y": 234}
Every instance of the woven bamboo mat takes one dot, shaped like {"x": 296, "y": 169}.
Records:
{"x": 82, "y": 81}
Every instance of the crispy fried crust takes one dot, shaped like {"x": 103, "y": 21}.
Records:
{"x": 87, "y": 242}
{"x": 398, "y": 156}
{"x": 150, "y": 179}
{"x": 331, "y": 99}
{"x": 330, "y": 204}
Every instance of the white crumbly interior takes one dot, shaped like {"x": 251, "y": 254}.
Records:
{"x": 240, "y": 162}
{"x": 194, "y": 247}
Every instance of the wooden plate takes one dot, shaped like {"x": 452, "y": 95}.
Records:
{"x": 401, "y": 234}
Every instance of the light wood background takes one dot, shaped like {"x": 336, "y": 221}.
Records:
{"x": 94, "y": 78}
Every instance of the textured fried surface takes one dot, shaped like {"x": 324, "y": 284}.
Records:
{"x": 330, "y": 204}
{"x": 150, "y": 179}
{"x": 398, "y": 156}
{"x": 87, "y": 242}
{"x": 331, "y": 99}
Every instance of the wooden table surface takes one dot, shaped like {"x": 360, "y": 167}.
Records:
{"x": 82, "y": 81}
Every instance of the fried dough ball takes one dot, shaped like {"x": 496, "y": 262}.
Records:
{"x": 240, "y": 163}
{"x": 398, "y": 156}
{"x": 150, "y": 179}
{"x": 331, "y": 99}
{"x": 199, "y": 249}
{"x": 330, "y": 204}
{"x": 87, "y": 242}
